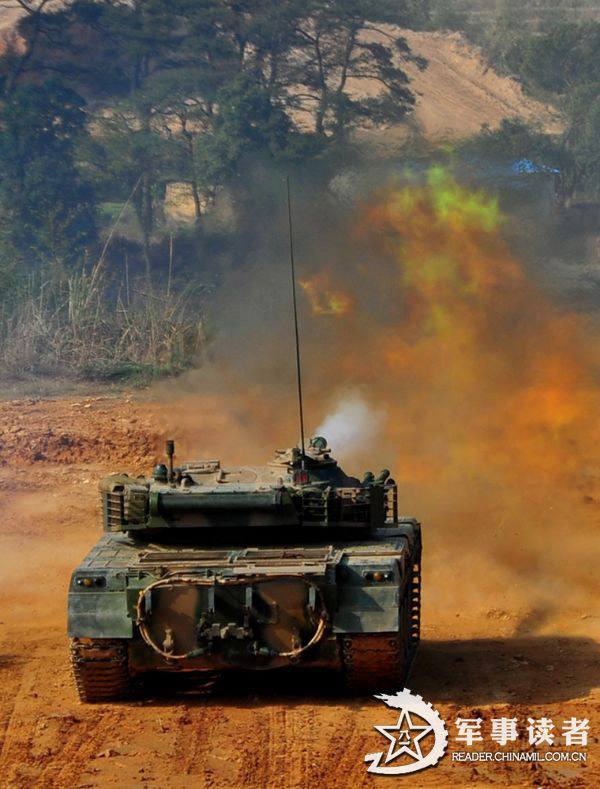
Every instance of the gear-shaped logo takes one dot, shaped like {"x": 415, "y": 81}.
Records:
{"x": 407, "y": 735}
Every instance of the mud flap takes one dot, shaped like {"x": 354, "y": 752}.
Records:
{"x": 102, "y": 615}
{"x": 367, "y": 610}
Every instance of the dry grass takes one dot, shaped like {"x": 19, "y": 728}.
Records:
{"x": 87, "y": 325}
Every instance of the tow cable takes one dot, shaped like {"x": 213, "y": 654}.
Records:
{"x": 170, "y": 583}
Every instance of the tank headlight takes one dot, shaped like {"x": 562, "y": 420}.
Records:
{"x": 378, "y": 576}
{"x": 88, "y": 582}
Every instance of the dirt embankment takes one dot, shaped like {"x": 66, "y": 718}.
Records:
{"x": 271, "y": 732}
{"x": 458, "y": 91}
{"x": 8, "y": 19}
{"x": 78, "y": 430}
{"x": 456, "y": 94}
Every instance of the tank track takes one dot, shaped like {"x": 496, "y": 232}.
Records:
{"x": 209, "y": 683}
{"x": 375, "y": 662}
{"x": 415, "y": 607}
{"x": 100, "y": 669}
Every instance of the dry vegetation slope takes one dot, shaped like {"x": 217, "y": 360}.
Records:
{"x": 458, "y": 92}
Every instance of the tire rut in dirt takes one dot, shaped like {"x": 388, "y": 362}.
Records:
{"x": 198, "y": 728}
{"x": 12, "y": 746}
{"x": 333, "y": 750}
{"x": 12, "y": 678}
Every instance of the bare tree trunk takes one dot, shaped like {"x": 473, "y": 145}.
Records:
{"x": 339, "y": 113}
{"x": 141, "y": 209}
{"x": 322, "y": 108}
{"x": 194, "y": 180}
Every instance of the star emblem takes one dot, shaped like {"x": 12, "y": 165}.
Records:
{"x": 403, "y": 741}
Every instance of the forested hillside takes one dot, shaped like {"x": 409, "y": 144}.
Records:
{"x": 105, "y": 104}
{"x": 111, "y": 112}
{"x": 150, "y": 92}
{"x": 532, "y": 15}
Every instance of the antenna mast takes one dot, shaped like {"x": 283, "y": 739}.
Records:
{"x": 297, "y": 336}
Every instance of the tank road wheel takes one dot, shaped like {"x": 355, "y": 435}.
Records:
{"x": 373, "y": 662}
{"x": 100, "y": 669}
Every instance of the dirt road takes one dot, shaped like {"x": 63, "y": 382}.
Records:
{"x": 273, "y": 733}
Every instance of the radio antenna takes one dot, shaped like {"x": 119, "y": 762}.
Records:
{"x": 296, "y": 333}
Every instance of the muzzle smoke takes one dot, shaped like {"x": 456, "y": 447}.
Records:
{"x": 352, "y": 425}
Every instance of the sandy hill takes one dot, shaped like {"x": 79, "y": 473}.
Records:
{"x": 8, "y": 18}
{"x": 458, "y": 92}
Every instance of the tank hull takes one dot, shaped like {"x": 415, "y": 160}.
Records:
{"x": 349, "y": 605}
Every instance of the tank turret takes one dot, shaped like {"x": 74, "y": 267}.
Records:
{"x": 295, "y": 489}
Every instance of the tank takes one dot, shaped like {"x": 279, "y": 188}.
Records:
{"x": 206, "y": 569}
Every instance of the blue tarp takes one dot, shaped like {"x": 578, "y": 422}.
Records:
{"x": 527, "y": 166}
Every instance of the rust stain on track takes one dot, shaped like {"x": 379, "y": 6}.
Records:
{"x": 281, "y": 733}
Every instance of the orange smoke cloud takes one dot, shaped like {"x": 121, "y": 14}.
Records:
{"x": 325, "y": 298}
{"x": 486, "y": 393}
{"x": 492, "y": 393}
{"x": 484, "y": 360}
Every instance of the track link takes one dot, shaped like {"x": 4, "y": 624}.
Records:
{"x": 415, "y": 605}
{"x": 100, "y": 669}
{"x": 373, "y": 662}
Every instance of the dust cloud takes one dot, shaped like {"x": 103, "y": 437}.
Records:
{"x": 431, "y": 348}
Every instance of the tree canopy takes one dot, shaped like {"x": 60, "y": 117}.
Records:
{"x": 558, "y": 61}
{"x": 46, "y": 203}
{"x": 564, "y": 63}
{"x": 186, "y": 90}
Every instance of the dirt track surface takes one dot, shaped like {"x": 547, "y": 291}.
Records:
{"x": 268, "y": 732}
